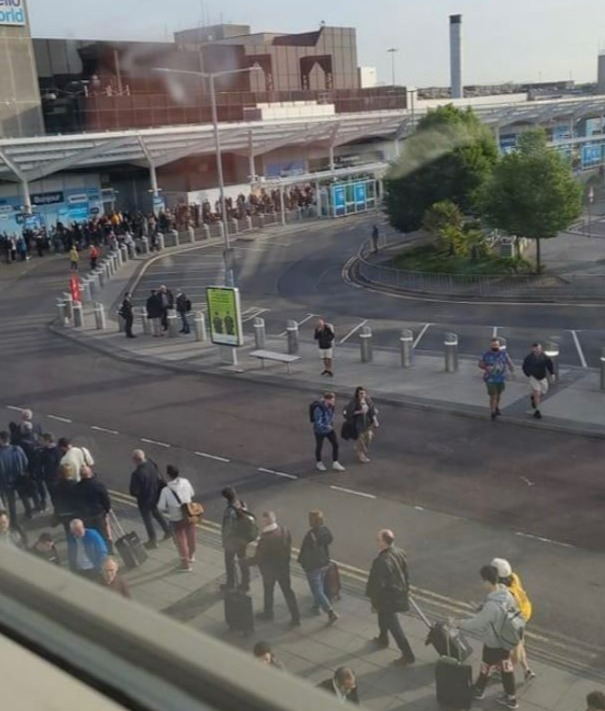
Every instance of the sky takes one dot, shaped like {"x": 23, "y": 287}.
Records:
{"x": 505, "y": 40}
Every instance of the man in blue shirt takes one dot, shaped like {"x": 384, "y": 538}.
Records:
{"x": 86, "y": 550}
{"x": 323, "y": 428}
{"x": 494, "y": 364}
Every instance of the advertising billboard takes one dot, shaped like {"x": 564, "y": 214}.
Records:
{"x": 12, "y": 12}
{"x": 338, "y": 200}
{"x": 224, "y": 316}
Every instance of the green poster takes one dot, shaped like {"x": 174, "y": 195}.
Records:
{"x": 224, "y": 316}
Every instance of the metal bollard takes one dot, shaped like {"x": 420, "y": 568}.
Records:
{"x": 124, "y": 253}
{"x": 199, "y": 324}
{"x": 221, "y": 230}
{"x": 552, "y": 351}
{"x": 450, "y": 345}
{"x": 78, "y": 315}
{"x": 61, "y": 311}
{"x": 234, "y": 226}
{"x": 99, "y": 317}
{"x": 160, "y": 242}
{"x": 144, "y": 245}
{"x": 602, "y": 368}
{"x": 131, "y": 251}
{"x": 292, "y": 331}
{"x": 206, "y": 229}
{"x": 175, "y": 238}
{"x": 366, "y": 344}
{"x": 118, "y": 258}
{"x": 102, "y": 277}
{"x": 145, "y": 322}
{"x": 259, "y": 333}
{"x": 69, "y": 306}
{"x": 173, "y": 325}
{"x": 121, "y": 324}
{"x": 261, "y": 220}
{"x": 407, "y": 347}
{"x": 248, "y": 222}
{"x": 191, "y": 233}
{"x": 87, "y": 289}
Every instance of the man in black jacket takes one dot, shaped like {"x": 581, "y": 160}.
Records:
{"x": 233, "y": 543}
{"x": 154, "y": 312}
{"x": 343, "y": 685}
{"x": 50, "y": 458}
{"x": 127, "y": 314}
{"x": 183, "y": 307}
{"x": 388, "y": 589}
{"x": 145, "y": 485}
{"x": 93, "y": 503}
{"x": 324, "y": 335}
{"x": 540, "y": 370}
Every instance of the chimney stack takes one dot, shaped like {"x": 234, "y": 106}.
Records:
{"x": 456, "y": 56}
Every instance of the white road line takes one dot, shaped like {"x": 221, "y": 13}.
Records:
{"x": 300, "y": 323}
{"x": 352, "y": 491}
{"x": 352, "y": 331}
{"x": 153, "y": 441}
{"x": 252, "y": 313}
{"x": 60, "y": 419}
{"x": 419, "y": 508}
{"x": 576, "y": 340}
{"x": 272, "y": 471}
{"x": 495, "y": 332}
{"x": 419, "y": 337}
{"x": 14, "y": 407}
{"x": 104, "y": 429}
{"x": 212, "y": 456}
{"x": 543, "y": 540}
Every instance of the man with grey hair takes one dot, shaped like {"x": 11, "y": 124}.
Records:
{"x": 28, "y": 424}
{"x": 145, "y": 486}
{"x": 273, "y": 554}
{"x": 86, "y": 550}
{"x": 388, "y": 589}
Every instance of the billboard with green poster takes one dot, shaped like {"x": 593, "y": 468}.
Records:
{"x": 224, "y": 316}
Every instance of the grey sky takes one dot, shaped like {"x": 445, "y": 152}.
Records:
{"x": 519, "y": 40}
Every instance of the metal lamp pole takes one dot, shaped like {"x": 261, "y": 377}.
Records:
{"x": 392, "y": 52}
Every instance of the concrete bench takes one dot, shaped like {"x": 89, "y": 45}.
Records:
{"x": 278, "y": 357}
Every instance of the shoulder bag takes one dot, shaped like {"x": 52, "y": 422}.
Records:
{"x": 192, "y": 512}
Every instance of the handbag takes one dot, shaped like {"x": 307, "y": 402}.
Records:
{"x": 192, "y": 511}
{"x": 348, "y": 430}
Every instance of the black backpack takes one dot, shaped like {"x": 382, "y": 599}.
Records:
{"x": 246, "y": 527}
{"x": 312, "y": 407}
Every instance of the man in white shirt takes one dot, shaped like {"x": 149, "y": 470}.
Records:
{"x": 178, "y": 491}
{"x": 74, "y": 457}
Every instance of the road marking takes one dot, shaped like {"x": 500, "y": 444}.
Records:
{"x": 272, "y": 471}
{"x": 352, "y": 491}
{"x": 153, "y": 441}
{"x": 421, "y": 334}
{"x": 60, "y": 419}
{"x": 14, "y": 407}
{"x": 104, "y": 429}
{"x": 352, "y": 331}
{"x": 576, "y": 340}
{"x": 300, "y": 323}
{"x": 419, "y": 508}
{"x": 495, "y": 332}
{"x": 212, "y": 456}
{"x": 252, "y": 313}
{"x": 543, "y": 540}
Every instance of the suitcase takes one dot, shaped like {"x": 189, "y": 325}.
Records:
{"x": 454, "y": 684}
{"x": 446, "y": 643}
{"x": 129, "y": 545}
{"x": 238, "y": 611}
{"x": 332, "y": 582}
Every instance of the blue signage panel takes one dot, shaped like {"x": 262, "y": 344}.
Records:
{"x": 338, "y": 199}
{"x": 47, "y": 198}
{"x": 360, "y": 194}
{"x": 591, "y": 155}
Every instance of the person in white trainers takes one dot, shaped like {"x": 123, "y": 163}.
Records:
{"x": 323, "y": 428}
{"x": 361, "y": 417}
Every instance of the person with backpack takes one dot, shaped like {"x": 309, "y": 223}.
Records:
{"x": 238, "y": 530}
{"x": 183, "y": 307}
{"x": 321, "y": 414}
{"x": 494, "y": 625}
{"x": 361, "y": 417}
{"x": 314, "y": 557}
{"x": 513, "y": 582}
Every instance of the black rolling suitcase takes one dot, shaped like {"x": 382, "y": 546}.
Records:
{"x": 446, "y": 643}
{"x": 129, "y": 545}
{"x": 238, "y": 611}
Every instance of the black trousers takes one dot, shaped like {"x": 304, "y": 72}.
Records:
{"x": 389, "y": 622}
{"x": 128, "y": 321}
{"x": 319, "y": 444}
{"x": 230, "y": 555}
{"x": 282, "y": 578}
{"x": 147, "y": 512}
{"x": 9, "y": 496}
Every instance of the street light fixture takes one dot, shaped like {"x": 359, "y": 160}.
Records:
{"x": 219, "y": 156}
{"x": 392, "y": 51}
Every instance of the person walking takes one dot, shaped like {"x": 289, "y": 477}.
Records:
{"x": 375, "y": 237}
{"x": 178, "y": 491}
{"x": 126, "y": 312}
{"x": 153, "y": 307}
{"x": 74, "y": 258}
{"x": 314, "y": 557}
{"x": 388, "y": 589}
{"x": 343, "y": 685}
{"x": 76, "y": 457}
{"x": 361, "y": 418}
{"x": 93, "y": 256}
{"x": 93, "y": 504}
{"x": 484, "y": 625}
{"x": 494, "y": 363}
{"x": 13, "y": 472}
{"x": 272, "y": 556}
{"x": 183, "y": 307}
{"x": 86, "y": 550}
{"x": 50, "y": 458}
{"x": 322, "y": 412}
{"x": 540, "y": 371}
{"x": 145, "y": 486}
{"x": 513, "y": 583}
{"x": 324, "y": 335}
{"x": 235, "y": 540}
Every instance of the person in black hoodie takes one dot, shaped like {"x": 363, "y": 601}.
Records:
{"x": 145, "y": 485}
{"x": 324, "y": 335}
{"x": 154, "y": 312}
{"x": 540, "y": 370}
{"x": 314, "y": 558}
{"x": 50, "y": 458}
{"x": 93, "y": 504}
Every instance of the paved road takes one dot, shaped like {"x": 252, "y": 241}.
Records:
{"x": 458, "y": 491}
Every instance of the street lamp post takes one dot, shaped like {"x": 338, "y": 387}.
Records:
{"x": 392, "y": 51}
{"x": 227, "y": 257}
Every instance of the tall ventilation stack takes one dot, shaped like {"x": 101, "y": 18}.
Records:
{"x": 601, "y": 73}
{"x": 456, "y": 56}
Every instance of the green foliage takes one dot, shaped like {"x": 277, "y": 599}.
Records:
{"x": 448, "y": 158}
{"x": 433, "y": 260}
{"x": 532, "y": 192}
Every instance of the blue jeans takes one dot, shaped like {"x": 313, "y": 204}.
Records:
{"x": 316, "y": 584}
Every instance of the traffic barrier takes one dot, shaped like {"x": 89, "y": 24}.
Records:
{"x": 131, "y": 250}
{"x": 87, "y": 288}
{"x": 173, "y": 324}
{"x": 69, "y": 306}
{"x": 206, "y": 231}
{"x": 61, "y": 311}
{"x": 248, "y": 222}
{"x": 407, "y": 347}
{"x": 102, "y": 276}
{"x": 78, "y": 315}
{"x": 552, "y": 351}
{"x": 234, "y": 226}
{"x": 124, "y": 253}
{"x": 145, "y": 322}
{"x": 199, "y": 324}
{"x": 144, "y": 245}
{"x": 450, "y": 345}
{"x": 259, "y": 333}
{"x": 160, "y": 242}
{"x": 261, "y": 220}
{"x": 292, "y": 332}
{"x": 191, "y": 234}
{"x": 99, "y": 312}
{"x": 365, "y": 341}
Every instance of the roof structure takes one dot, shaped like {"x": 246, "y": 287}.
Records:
{"x": 28, "y": 159}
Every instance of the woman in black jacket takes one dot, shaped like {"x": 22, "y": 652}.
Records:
{"x": 314, "y": 557}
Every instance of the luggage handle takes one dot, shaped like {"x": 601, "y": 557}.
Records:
{"x": 427, "y": 622}
{"x": 114, "y": 522}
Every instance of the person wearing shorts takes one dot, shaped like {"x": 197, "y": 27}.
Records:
{"x": 540, "y": 371}
{"x": 324, "y": 335}
{"x": 494, "y": 363}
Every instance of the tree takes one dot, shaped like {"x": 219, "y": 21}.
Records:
{"x": 445, "y": 220}
{"x": 449, "y": 157}
{"x": 532, "y": 192}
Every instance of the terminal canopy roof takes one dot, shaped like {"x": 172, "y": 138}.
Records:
{"x": 29, "y": 159}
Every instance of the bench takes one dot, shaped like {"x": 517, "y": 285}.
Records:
{"x": 278, "y": 357}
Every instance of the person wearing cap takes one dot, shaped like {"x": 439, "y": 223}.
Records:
{"x": 513, "y": 583}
